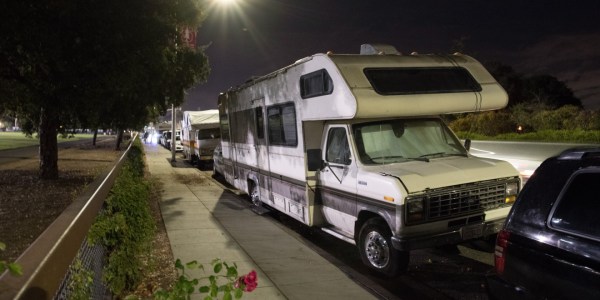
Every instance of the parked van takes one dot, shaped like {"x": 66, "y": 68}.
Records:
{"x": 354, "y": 144}
{"x": 200, "y": 135}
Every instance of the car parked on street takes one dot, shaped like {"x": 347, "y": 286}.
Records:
{"x": 549, "y": 247}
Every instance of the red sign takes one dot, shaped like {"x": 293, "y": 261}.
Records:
{"x": 188, "y": 36}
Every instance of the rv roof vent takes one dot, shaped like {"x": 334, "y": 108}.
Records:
{"x": 378, "y": 49}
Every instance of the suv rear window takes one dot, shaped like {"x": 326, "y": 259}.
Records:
{"x": 399, "y": 81}
{"x": 577, "y": 210}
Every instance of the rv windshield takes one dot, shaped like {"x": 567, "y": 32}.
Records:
{"x": 393, "y": 141}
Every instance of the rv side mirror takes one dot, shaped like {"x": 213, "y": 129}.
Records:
{"x": 314, "y": 159}
{"x": 468, "y": 144}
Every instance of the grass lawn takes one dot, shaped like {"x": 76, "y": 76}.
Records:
{"x": 10, "y": 140}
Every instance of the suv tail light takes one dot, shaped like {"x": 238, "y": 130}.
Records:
{"x": 500, "y": 251}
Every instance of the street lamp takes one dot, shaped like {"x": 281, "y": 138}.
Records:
{"x": 173, "y": 133}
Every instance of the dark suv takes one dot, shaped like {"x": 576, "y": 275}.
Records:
{"x": 549, "y": 247}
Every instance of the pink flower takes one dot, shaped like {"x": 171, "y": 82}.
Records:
{"x": 250, "y": 281}
{"x": 247, "y": 282}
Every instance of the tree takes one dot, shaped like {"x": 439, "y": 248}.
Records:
{"x": 101, "y": 63}
{"x": 550, "y": 91}
{"x": 510, "y": 80}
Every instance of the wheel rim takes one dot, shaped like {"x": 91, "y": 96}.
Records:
{"x": 255, "y": 197}
{"x": 377, "y": 250}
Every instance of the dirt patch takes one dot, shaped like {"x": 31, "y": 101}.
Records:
{"x": 28, "y": 205}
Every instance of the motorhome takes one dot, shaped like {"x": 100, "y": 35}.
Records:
{"x": 354, "y": 144}
{"x": 200, "y": 135}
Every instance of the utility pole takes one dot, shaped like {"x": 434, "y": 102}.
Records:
{"x": 173, "y": 132}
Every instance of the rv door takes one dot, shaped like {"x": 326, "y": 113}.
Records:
{"x": 261, "y": 149}
{"x": 337, "y": 180}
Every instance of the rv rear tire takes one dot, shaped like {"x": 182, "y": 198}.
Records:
{"x": 216, "y": 173}
{"x": 376, "y": 250}
{"x": 255, "y": 195}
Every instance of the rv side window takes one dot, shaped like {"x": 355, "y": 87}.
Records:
{"x": 282, "y": 125}
{"x": 338, "y": 150}
{"x": 400, "y": 81}
{"x": 260, "y": 127}
{"x": 224, "y": 122}
{"x": 315, "y": 84}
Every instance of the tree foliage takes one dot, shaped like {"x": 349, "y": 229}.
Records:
{"x": 94, "y": 63}
{"x": 544, "y": 90}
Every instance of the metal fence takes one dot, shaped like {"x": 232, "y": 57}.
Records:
{"x": 92, "y": 259}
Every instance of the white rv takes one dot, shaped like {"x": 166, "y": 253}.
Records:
{"x": 200, "y": 135}
{"x": 354, "y": 144}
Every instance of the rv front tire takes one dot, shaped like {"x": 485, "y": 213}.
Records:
{"x": 376, "y": 250}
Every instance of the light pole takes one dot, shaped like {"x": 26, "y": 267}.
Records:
{"x": 173, "y": 133}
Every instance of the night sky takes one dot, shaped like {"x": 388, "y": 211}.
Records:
{"x": 256, "y": 37}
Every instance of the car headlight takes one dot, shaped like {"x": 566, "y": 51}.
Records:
{"x": 415, "y": 210}
{"x": 511, "y": 191}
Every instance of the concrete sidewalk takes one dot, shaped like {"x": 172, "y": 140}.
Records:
{"x": 205, "y": 222}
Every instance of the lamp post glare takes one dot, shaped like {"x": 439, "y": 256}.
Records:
{"x": 225, "y": 2}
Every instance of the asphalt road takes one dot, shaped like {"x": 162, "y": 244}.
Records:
{"x": 524, "y": 156}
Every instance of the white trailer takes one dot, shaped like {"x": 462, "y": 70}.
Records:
{"x": 200, "y": 135}
{"x": 354, "y": 144}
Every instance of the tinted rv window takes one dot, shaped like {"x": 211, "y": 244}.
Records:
{"x": 315, "y": 84}
{"x": 399, "y": 81}
{"x": 224, "y": 122}
{"x": 260, "y": 128}
{"x": 282, "y": 125}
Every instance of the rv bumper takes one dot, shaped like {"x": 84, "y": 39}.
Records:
{"x": 206, "y": 158}
{"x": 453, "y": 236}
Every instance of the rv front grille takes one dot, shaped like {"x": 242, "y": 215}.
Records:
{"x": 467, "y": 199}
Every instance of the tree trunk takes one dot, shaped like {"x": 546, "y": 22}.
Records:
{"x": 95, "y": 136}
{"x": 48, "y": 128}
{"x": 119, "y": 139}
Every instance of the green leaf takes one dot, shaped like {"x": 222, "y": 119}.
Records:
{"x": 192, "y": 264}
{"x": 218, "y": 267}
{"x": 178, "y": 264}
{"x": 15, "y": 269}
{"x": 2, "y": 246}
{"x": 227, "y": 296}
{"x": 204, "y": 289}
{"x": 232, "y": 272}
{"x": 214, "y": 291}
{"x": 208, "y": 298}
{"x": 239, "y": 293}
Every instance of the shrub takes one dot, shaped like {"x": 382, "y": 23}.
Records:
{"x": 125, "y": 227}
{"x": 488, "y": 123}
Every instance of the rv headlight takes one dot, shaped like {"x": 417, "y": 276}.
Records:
{"x": 512, "y": 189}
{"x": 415, "y": 209}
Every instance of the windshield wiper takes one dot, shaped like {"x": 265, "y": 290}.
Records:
{"x": 442, "y": 154}
{"x": 433, "y": 154}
